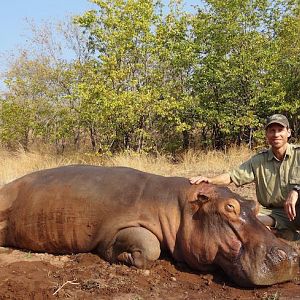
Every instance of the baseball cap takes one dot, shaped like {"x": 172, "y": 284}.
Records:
{"x": 279, "y": 119}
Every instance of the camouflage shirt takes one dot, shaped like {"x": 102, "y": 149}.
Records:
{"x": 273, "y": 178}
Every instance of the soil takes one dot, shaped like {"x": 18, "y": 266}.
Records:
{"x": 26, "y": 275}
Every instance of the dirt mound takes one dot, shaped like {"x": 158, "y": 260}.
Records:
{"x": 26, "y": 275}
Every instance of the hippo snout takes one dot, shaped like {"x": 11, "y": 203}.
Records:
{"x": 263, "y": 265}
{"x": 277, "y": 255}
{"x": 279, "y": 264}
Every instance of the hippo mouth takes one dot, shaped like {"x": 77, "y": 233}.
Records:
{"x": 230, "y": 257}
{"x": 236, "y": 244}
{"x": 259, "y": 266}
{"x": 236, "y": 248}
{"x": 274, "y": 265}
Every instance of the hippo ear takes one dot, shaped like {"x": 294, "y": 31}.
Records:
{"x": 202, "y": 198}
{"x": 199, "y": 200}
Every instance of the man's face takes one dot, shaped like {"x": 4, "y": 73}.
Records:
{"x": 277, "y": 135}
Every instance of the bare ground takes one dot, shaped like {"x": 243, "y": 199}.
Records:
{"x": 26, "y": 275}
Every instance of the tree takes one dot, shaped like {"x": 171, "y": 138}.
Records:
{"x": 149, "y": 78}
{"x": 287, "y": 71}
{"x": 235, "y": 58}
{"x": 42, "y": 82}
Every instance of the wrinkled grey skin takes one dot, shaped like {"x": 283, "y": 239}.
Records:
{"x": 128, "y": 216}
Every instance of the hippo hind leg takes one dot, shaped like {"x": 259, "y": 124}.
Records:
{"x": 135, "y": 246}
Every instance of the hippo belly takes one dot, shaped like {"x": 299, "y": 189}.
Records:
{"x": 68, "y": 210}
{"x": 62, "y": 226}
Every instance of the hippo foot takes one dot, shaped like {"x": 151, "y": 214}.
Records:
{"x": 135, "y": 246}
{"x": 134, "y": 259}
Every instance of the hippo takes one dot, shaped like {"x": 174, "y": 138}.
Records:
{"x": 129, "y": 216}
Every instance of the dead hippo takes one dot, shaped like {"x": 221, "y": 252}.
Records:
{"x": 129, "y": 216}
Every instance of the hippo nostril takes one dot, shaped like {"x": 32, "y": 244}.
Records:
{"x": 277, "y": 255}
{"x": 282, "y": 255}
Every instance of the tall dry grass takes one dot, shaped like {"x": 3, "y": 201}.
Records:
{"x": 19, "y": 163}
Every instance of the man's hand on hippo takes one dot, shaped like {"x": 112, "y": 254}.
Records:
{"x": 222, "y": 179}
{"x": 290, "y": 204}
{"x": 199, "y": 179}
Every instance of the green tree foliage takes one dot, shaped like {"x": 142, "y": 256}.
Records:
{"x": 152, "y": 78}
{"x": 235, "y": 59}
{"x": 287, "y": 73}
{"x": 140, "y": 55}
{"x": 121, "y": 37}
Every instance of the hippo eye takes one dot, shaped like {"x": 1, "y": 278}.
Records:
{"x": 229, "y": 207}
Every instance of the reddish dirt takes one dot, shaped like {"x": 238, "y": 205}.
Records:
{"x": 26, "y": 275}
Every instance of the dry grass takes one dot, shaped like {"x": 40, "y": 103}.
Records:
{"x": 211, "y": 163}
{"x": 17, "y": 164}
{"x": 191, "y": 163}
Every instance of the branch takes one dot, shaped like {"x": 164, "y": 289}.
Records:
{"x": 70, "y": 282}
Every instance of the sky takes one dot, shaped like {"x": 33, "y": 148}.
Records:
{"x": 13, "y": 15}
{"x": 14, "y": 29}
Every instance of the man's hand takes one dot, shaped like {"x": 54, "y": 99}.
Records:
{"x": 198, "y": 179}
{"x": 222, "y": 179}
{"x": 290, "y": 204}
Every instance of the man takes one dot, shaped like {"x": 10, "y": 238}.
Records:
{"x": 276, "y": 173}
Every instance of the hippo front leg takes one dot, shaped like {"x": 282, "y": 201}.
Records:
{"x": 135, "y": 246}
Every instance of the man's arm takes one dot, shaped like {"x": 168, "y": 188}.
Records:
{"x": 222, "y": 179}
{"x": 290, "y": 203}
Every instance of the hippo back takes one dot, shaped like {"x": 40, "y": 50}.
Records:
{"x": 73, "y": 209}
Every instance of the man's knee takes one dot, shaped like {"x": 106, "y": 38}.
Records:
{"x": 267, "y": 220}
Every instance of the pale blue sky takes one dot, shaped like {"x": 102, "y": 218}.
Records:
{"x": 13, "y": 14}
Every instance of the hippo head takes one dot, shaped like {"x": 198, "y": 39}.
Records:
{"x": 224, "y": 231}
